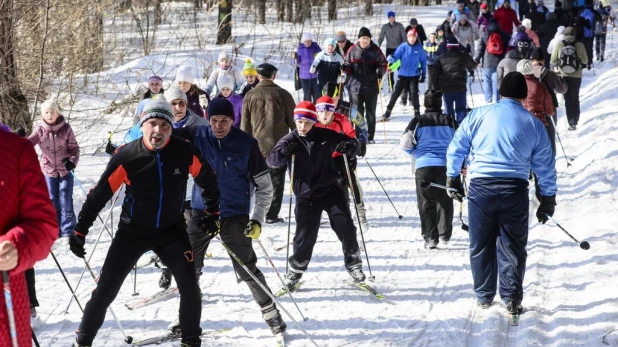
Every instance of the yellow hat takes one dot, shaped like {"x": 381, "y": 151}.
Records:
{"x": 249, "y": 68}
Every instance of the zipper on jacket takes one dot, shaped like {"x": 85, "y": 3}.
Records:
{"x": 160, "y": 191}
{"x": 223, "y": 158}
{"x": 53, "y": 135}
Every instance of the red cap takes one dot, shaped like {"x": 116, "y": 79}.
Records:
{"x": 412, "y": 32}
{"x": 484, "y": 5}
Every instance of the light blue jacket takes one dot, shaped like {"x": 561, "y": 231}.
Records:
{"x": 413, "y": 59}
{"x": 504, "y": 140}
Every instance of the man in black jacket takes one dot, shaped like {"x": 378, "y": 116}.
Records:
{"x": 546, "y": 33}
{"x": 155, "y": 169}
{"x": 316, "y": 190}
{"x": 449, "y": 75}
{"x": 420, "y": 31}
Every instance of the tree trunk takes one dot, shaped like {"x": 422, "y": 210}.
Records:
{"x": 280, "y": 10}
{"x": 13, "y": 104}
{"x": 332, "y": 10}
{"x": 424, "y": 2}
{"x": 224, "y": 32}
{"x": 368, "y": 8}
{"x": 289, "y": 4}
{"x": 307, "y": 9}
{"x": 157, "y": 12}
{"x": 262, "y": 11}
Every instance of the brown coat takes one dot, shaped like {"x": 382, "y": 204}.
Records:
{"x": 267, "y": 114}
{"x": 538, "y": 102}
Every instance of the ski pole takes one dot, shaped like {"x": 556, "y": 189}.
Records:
{"x": 287, "y": 257}
{"x": 471, "y": 96}
{"x": 427, "y": 184}
{"x": 67, "y": 282}
{"x": 281, "y": 279}
{"x": 583, "y": 245}
{"x": 86, "y": 195}
{"x": 478, "y": 75}
{"x": 127, "y": 338}
{"x": 384, "y": 190}
{"x": 360, "y": 227}
{"x": 34, "y": 339}
{"x": 464, "y": 226}
{"x": 93, "y": 249}
{"x": 560, "y": 141}
{"x": 135, "y": 293}
{"x": 381, "y": 108}
{"x": 8, "y": 298}
{"x": 266, "y": 290}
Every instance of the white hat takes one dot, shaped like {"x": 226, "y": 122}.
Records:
{"x": 306, "y": 37}
{"x": 185, "y": 73}
{"x": 223, "y": 55}
{"x": 527, "y": 23}
{"x": 225, "y": 81}
{"x": 49, "y": 104}
{"x": 174, "y": 93}
{"x": 524, "y": 67}
{"x": 157, "y": 108}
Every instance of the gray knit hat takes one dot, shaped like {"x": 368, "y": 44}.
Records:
{"x": 174, "y": 93}
{"x": 157, "y": 108}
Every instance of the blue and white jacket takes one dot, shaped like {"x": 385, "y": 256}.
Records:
{"x": 503, "y": 140}
{"x": 327, "y": 67}
{"x": 427, "y": 138}
{"x": 413, "y": 59}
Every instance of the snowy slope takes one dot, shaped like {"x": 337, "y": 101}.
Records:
{"x": 570, "y": 294}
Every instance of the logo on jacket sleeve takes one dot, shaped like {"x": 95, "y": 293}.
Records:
{"x": 177, "y": 171}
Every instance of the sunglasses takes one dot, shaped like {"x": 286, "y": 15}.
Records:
{"x": 341, "y": 41}
{"x": 178, "y": 103}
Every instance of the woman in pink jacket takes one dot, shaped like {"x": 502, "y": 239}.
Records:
{"x": 59, "y": 156}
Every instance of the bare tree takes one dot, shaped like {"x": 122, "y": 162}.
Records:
{"x": 262, "y": 11}
{"x": 368, "y": 8}
{"x": 289, "y": 4}
{"x": 332, "y": 10}
{"x": 224, "y": 30}
{"x": 280, "y": 10}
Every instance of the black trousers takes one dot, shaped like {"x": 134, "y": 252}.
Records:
{"x": 571, "y": 99}
{"x": 277, "y": 177}
{"x": 173, "y": 247}
{"x": 308, "y": 213}
{"x": 30, "y": 281}
{"x": 366, "y": 106}
{"x": 435, "y": 206}
{"x": 199, "y": 240}
{"x": 409, "y": 84}
{"x": 588, "y": 44}
{"x": 391, "y": 75}
{"x": 599, "y": 46}
{"x": 343, "y": 178}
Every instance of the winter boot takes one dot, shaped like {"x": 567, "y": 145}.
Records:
{"x": 484, "y": 304}
{"x": 191, "y": 341}
{"x": 274, "y": 220}
{"x": 174, "y": 326}
{"x": 386, "y": 117}
{"x": 166, "y": 278}
{"x": 357, "y": 273}
{"x": 291, "y": 279}
{"x": 573, "y": 127}
{"x": 79, "y": 344}
{"x": 362, "y": 213}
{"x": 430, "y": 245}
{"x": 514, "y": 307}
{"x": 273, "y": 319}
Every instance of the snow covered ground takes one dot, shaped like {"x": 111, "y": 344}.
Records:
{"x": 571, "y": 295}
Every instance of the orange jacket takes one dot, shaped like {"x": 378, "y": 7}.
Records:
{"x": 539, "y": 101}
{"x": 340, "y": 124}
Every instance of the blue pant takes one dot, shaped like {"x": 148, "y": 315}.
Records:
{"x": 455, "y": 105}
{"x": 61, "y": 195}
{"x": 490, "y": 85}
{"x": 311, "y": 90}
{"x": 498, "y": 219}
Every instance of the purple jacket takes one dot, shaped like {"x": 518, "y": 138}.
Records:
{"x": 482, "y": 20}
{"x": 236, "y": 101}
{"x": 57, "y": 143}
{"x": 193, "y": 101}
{"x": 304, "y": 58}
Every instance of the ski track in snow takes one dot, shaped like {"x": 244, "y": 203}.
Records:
{"x": 570, "y": 295}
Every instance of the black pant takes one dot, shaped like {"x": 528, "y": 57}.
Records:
{"x": 277, "y": 177}
{"x": 435, "y": 206}
{"x": 343, "y": 178}
{"x": 405, "y": 83}
{"x": 588, "y": 43}
{"x": 599, "y": 46}
{"x": 31, "y": 289}
{"x": 428, "y": 77}
{"x": 308, "y": 213}
{"x": 173, "y": 247}
{"x": 391, "y": 75}
{"x": 366, "y": 106}
{"x": 571, "y": 99}
{"x": 199, "y": 240}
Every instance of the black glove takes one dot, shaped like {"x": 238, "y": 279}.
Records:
{"x": 69, "y": 165}
{"x": 76, "y": 243}
{"x": 422, "y": 80}
{"x": 547, "y": 206}
{"x": 21, "y": 132}
{"x": 290, "y": 149}
{"x": 110, "y": 148}
{"x": 471, "y": 76}
{"x": 346, "y": 147}
{"x": 455, "y": 183}
{"x": 363, "y": 150}
{"x": 210, "y": 224}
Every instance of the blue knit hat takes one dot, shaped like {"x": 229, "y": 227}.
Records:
{"x": 330, "y": 41}
{"x": 390, "y": 14}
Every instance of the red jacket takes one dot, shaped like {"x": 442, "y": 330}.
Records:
{"x": 539, "y": 101}
{"x": 28, "y": 220}
{"x": 340, "y": 124}
{"x": 506, "y": 19}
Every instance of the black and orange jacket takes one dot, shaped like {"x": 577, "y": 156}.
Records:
{"x": 156, "y": 181}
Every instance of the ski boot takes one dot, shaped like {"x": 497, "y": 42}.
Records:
{"x": 386, "y": 117}
{"x": 191, "y": 341}
{"x": 79, "y": 344}
{"x": 484, "y": 303}
{"x": 291, "y": 279}
{"x": 166, "y": 278}
{"x": 356, "y": 272}
{"x": 514, "y": 307}
{"x": 273, "y": 319}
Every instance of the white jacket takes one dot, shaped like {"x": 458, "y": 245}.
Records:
{"x": 557, "y": 38}
{"x": 213, "y": 80}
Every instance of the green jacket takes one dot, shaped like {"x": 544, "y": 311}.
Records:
{"x": 581, "y": 54}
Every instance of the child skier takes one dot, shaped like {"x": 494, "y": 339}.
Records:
{"x": 197, "y": 99}
{"x": 226, "y": 91}
{"x": 59, "y": 156}
{"x": 327, "y": 64}
{"x": 250, "y": 73}
{"x": 225, "y": 69}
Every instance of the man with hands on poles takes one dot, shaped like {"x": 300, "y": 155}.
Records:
{"x": 155, "y": 169}
{"x": 316, "y": 189}
{"x": 240, "y": 165}
{"x": 504, "y": 141}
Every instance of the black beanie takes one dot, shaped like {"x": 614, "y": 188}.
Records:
{"x": 538, "y": 55}
{"x": 433, "y": 100}
{"x": 220, "y": 107}
{"x": 266, "y": 70}
{"x": 364, "y": 32}
{"x": 513, "y": 86}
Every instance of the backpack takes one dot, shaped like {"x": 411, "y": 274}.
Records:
{"x": 569, "y": 62}
{"x": 494, "y": 44}
{"x": 524, "y": 48}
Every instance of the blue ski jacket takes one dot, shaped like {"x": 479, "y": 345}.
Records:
{"x": 413, "y": 59}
